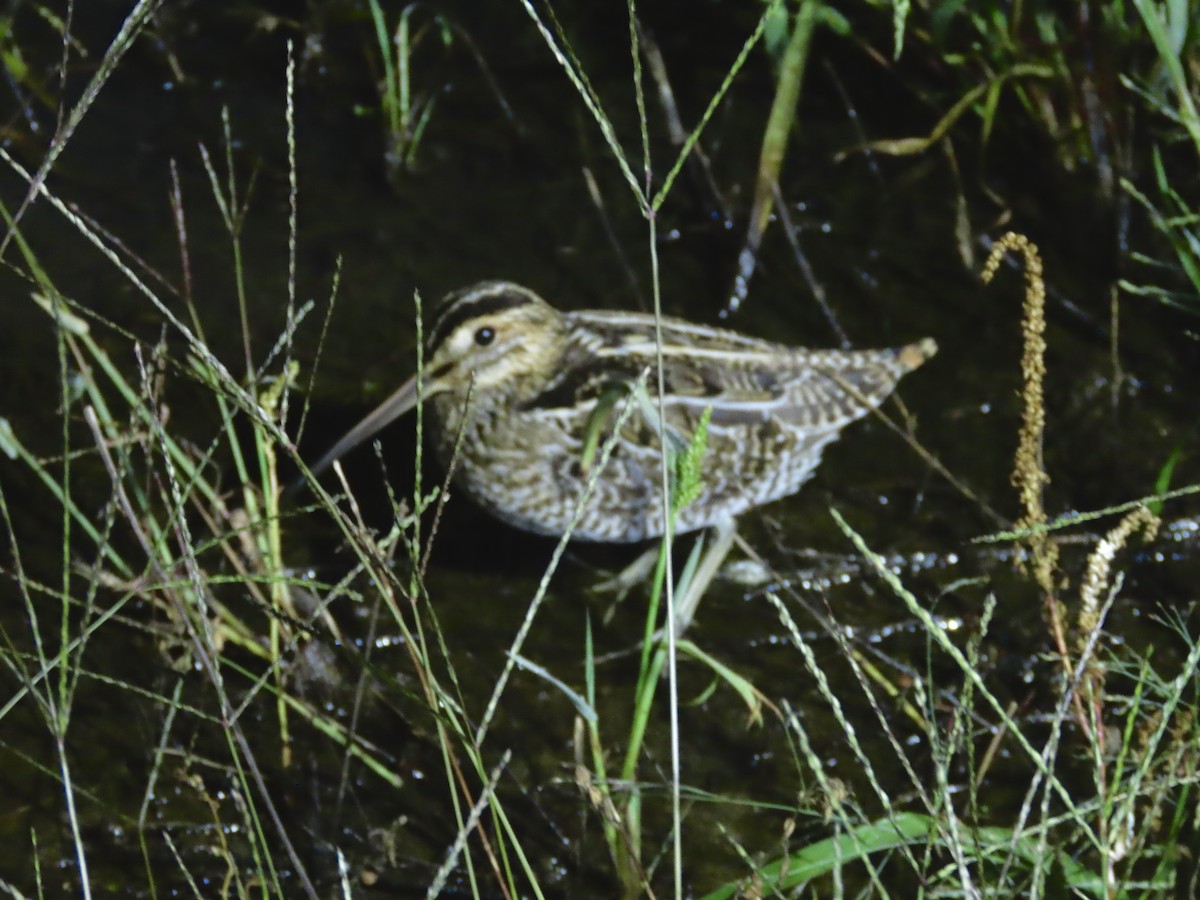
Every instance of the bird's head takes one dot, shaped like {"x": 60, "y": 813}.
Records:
{"x": 496, "y": 341}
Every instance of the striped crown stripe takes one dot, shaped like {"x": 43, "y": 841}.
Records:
{"x": 474, "y": 305}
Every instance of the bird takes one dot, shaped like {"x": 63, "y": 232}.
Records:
{"x": 522, "y": 394}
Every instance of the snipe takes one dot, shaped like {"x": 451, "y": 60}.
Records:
{"x": 529, "y": 386}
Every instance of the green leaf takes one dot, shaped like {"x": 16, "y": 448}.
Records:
{"x": 824, "y": 856}
{"x": 1163, "y": 483}
{"x": 585, "y": 709}
{"x": 57, "y": 309}
{"x": 750, "y": 695}
{"x": 775, "y": 30}
{"x": 8, "y": 440}
{"x": 885, "y": 834}
{"x": 688, "y": 484}
{"x": 899, "y": 16}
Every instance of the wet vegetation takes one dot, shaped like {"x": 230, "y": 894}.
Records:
{"x": 962, "y": 661}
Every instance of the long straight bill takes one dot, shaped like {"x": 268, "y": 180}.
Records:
{"x": 404, "y": 399}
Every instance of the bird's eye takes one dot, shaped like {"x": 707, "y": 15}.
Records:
{"x": 485, "y": 336}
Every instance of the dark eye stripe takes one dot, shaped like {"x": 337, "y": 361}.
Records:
{"x": 468, "y": 307}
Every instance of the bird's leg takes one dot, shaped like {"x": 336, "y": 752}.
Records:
{"x": 691, "y": 589}
{"x": 693, "y": 583}
{"x": 627, "y": 579}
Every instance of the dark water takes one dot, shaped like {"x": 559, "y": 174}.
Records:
{"x": 495, "y": 194}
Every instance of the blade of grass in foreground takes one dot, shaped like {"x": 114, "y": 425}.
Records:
{"x": 884, "y": 835}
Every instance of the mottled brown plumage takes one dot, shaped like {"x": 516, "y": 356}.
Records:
{"x": 530, "y": 386}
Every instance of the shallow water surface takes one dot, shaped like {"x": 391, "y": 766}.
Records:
{"x": 499, "y": 195}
